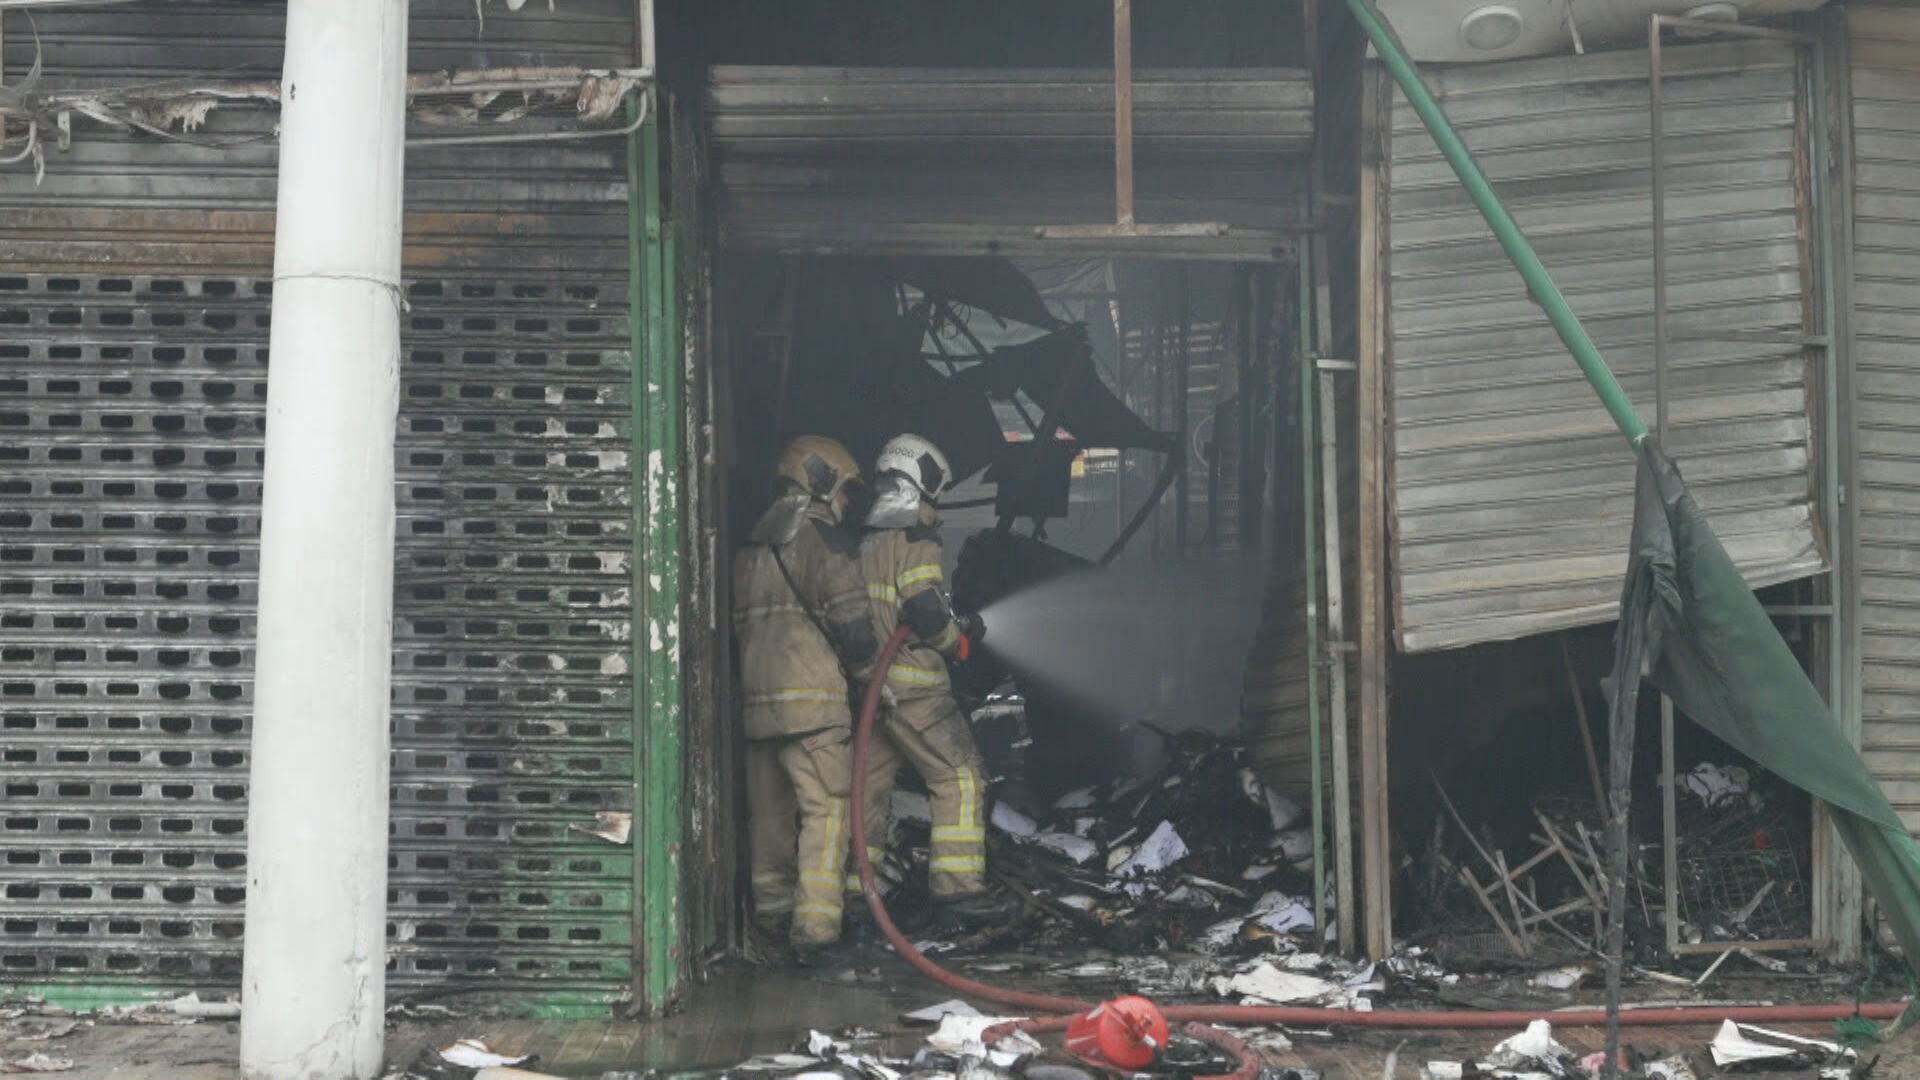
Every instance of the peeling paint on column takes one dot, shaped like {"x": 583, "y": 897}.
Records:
{"x": 659, "y": 950}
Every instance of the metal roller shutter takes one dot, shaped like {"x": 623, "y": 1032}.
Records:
{"x": 1511, "y": 492}
{"x": 815, "y": 160}
{"x": 1885, "y": 44}
{"x": 133, "y": 333}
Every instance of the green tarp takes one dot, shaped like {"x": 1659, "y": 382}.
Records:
{"x": 1692, "y": 627}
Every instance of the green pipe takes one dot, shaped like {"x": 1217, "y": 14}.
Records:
{"x": 655, "y": 464}
{"x": 1539, "y": 282}
{"x": 1310, "y": 484}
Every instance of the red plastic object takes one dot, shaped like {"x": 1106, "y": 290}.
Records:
{"x": 1125, "y": 1033}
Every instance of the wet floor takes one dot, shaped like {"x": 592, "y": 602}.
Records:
{"x": 740, "y": 1011}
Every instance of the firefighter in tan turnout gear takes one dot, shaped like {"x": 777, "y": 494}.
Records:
{"x": 900, "y": 556}
{"x": 806, "y": 640}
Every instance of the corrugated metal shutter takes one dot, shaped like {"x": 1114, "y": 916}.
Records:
{"x": 968, "y": 161}
{"x": 1511, "y": 491}
{"x": 1886, "y": 147}
{"x": 133, "y": 331}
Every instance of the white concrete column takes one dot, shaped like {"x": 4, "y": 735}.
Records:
{"x": 314, "y": 979}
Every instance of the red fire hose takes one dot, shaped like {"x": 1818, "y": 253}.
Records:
{"x": 1061, "y": 1010}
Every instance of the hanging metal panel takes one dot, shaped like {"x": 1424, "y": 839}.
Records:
{"x": 1511, "y": 493}
{"x": 1885, "y": 47}
{"x": 134, "y": 306}
{"x": 814, "y": 160}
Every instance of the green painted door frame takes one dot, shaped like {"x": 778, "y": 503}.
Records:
{"x": 653, "y": 304}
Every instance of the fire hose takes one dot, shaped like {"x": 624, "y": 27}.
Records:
{"x": 1057, "y": 1012}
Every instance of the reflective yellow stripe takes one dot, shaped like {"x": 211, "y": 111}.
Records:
{"x": 818, "y": 879}
{"x": 836, "y": 820}
{"x": 831, "y": 911}
{"x": 774, "y": 907}
{"x": 919, "y": 574}
{"x": 959, "y": 863}
{"x": 884, "y": 593}
{"x": 916, "y": 676}
{"x": 780, "y": 697}
{"x": 969, "y": 796}
{"x": 772, "y": 878}
{"x": 761, "y": 611}
{"x": 958, "y": 833}
{"x": 853, "y": 883}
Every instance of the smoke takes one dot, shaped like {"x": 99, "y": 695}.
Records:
{"x": 1163, "y": 644}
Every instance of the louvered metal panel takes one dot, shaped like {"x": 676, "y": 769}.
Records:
{"x": 971, "y": 161}
{"x": 134, "y": 301}
{"x": 1511, "y": 491}
{"x": 1885, "y": 46}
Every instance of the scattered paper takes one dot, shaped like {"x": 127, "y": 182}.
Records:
{"x": 475, "y": 1054}
{"x": 1737, "y": 1043}
{"x": 1079, "y": 902}
{"x": 1673, "y": 1068}
{"x": 775, "y": 1063}
{"x": 1281, "y": 913}
{"x": 613, "y": 826}
{"x": 1443, "y": 1070}
{"x": 1532, "y": 1048}
{"x": 1077, "y": 848}
{"x": 1258, "y": 871}
{"x": 1221, "y": 935}
{"x": 933, "y": 1014}
{"x": 1563, "y": 978}
{"x": 36, "y": 1063}
{"x": 961, "y": 1037}
{"x": 1013, "y": 822}
{"x": 1267, "y": 984}
{"x": 1714, "y": 785}
{"x": 820, "y": 1044}
{"x": 508, "y": 1072}
{"x": 1156, "y": 853}
{"x": 192, "y": 1006}
{"x": 36, "y": 1028}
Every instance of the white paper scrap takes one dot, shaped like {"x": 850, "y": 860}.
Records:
{"x": 474, "y": 1054}
{"x": 1156, "y": 853}
{"x": 1013, "y": 822}
{"x": 1077, "y": 848}
{"x": 933, "y": 1014}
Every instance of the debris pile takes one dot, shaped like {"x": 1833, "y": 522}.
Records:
{"x": 30, "y": 1027}
{"x": 1199, "y": 857}
{"x": 1532, "y": 894}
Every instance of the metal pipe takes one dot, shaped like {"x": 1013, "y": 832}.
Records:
{"x": 649, "y": 52}
{"x": 1123, "y": 111}
{"x": 1336, "y": 669}
{"x": 1309, "y": 492}
{"x": 1657, "y": 162}
{"x": 1183, "y": 418}
{"x": 1512, "y": 240}
{"x": 314, "y": 974}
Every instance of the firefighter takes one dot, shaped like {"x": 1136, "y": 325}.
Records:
{"x": 806, "y": 640}
{"x": 900, "y": 556}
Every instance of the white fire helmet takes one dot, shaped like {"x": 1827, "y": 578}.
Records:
{"x": 918, "y": 461}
